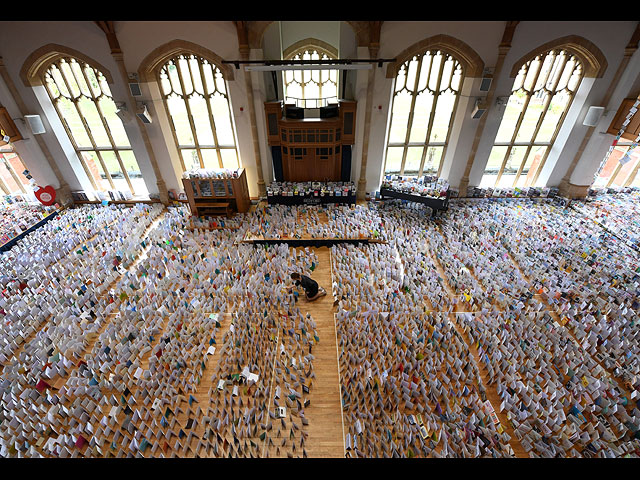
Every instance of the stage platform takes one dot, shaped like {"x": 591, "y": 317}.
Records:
{"x": 310, "y": 200}
{"x": 306, "y": 240}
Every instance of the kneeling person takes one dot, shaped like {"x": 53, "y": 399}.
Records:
{"x": 311, "y": 287}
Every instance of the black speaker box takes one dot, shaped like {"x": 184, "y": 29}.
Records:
{"x": 293, "y": 112}
{"x": 330, "y": 111}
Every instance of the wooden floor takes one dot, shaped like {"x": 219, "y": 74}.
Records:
{"x": 325, "y": 415}
{"x": 326, "y": 426}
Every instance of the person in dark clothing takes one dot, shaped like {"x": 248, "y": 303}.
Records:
{"x": 311, "y": 287}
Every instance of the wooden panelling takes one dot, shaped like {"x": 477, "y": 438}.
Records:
{"x": 9, "y": 128}
{"x": 632, "y": 130}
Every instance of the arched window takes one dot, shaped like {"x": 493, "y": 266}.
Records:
{"x": 540, "y": 98}
{"x": 82, "y": 98}
{"x": 310, "y": 88}
{"x": 425, "y": 97}
{"x": 12, "y": 178}
{"x": 195, "y": 96}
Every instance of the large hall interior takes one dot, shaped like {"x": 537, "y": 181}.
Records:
{"x": 319, "y": 239}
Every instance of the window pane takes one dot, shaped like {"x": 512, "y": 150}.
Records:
{"x": 294, "y": 91}
{"x": 195, "y": 75}
{"x": 92, "y": 117}
{"x": 421, "y": 113}
{"x": 95, "y": 170}
{"x": 496, "y": 158}
{"x": 111, "y": 162}
{"x": 70, "y": 80}
{"x": 220, "y": 110}
{"x": 412, "y": 162}
{"x": 444, "y": 109}
{"x": 432, "y": 160}
{"x": 220, "y": 85}
{"x": 79, "y": 77}
{"x": 394, "y": 159}
{"x": 7, "y": 179}
{"x": 510, "y": 117}
{"x": 401, "y": 78}
{"x": 412, "y": 70}
{"x": 627, "y": 168}
{"x": 55, "y": 77}
{"x": 531, "y": 74}
{"x": 229, "y": 158}
{"x": 531, "y": 166}
{"x": 311, "y": 91}
{"x": 200, "y": 115}
{"x": 93, "y": 81}
{"x": 108, "y": 108}
{"x": 174, "y": 78}
{"x": 183, "y": 68}
{"x": 190, "y": 159}
{"x": 74, "y": 122}
{"x": 210, "y": 158}
{"x": 181, "y": 125}
{"x": 488, "y": 180}
{"x": 435, "y": 71}
{"x": 133, "y": 170}
{"x": 400, "y": 117}
{"x": 531, "y": 116}
{"x": 18, "y": 167}
{"x": 551, "y": 123}
{"x": 511, "y": 167}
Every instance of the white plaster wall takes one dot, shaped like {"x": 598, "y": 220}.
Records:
{"x": 293, "y": 32}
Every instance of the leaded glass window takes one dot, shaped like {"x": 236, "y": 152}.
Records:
{"x": 425, "y": 98}
{"x": 196, "y": 98}
{"x": 83, "y": 101}
{"x": 541, "y": 95}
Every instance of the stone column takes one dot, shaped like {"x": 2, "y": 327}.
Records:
{"x": 244, "y": 55}
{"x": 162, "y": 186}
{"x": 503, "y": 49}
{"x": 374, "y": 46}
{"x": 118, "y": 56}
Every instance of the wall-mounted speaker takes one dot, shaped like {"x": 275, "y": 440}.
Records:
{"x": 35, "y": 124}
{"x": 485, "y": 84}
{"x": 134, "y": 85}
{"x": 479, "y": 109}
{"x": 142, "y": 113}
{"x": 593, "y": 115}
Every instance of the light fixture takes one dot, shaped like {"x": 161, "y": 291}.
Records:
{"x": 277, "y": 68}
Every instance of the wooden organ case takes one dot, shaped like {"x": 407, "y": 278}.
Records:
{"x": 311, "y": 149}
